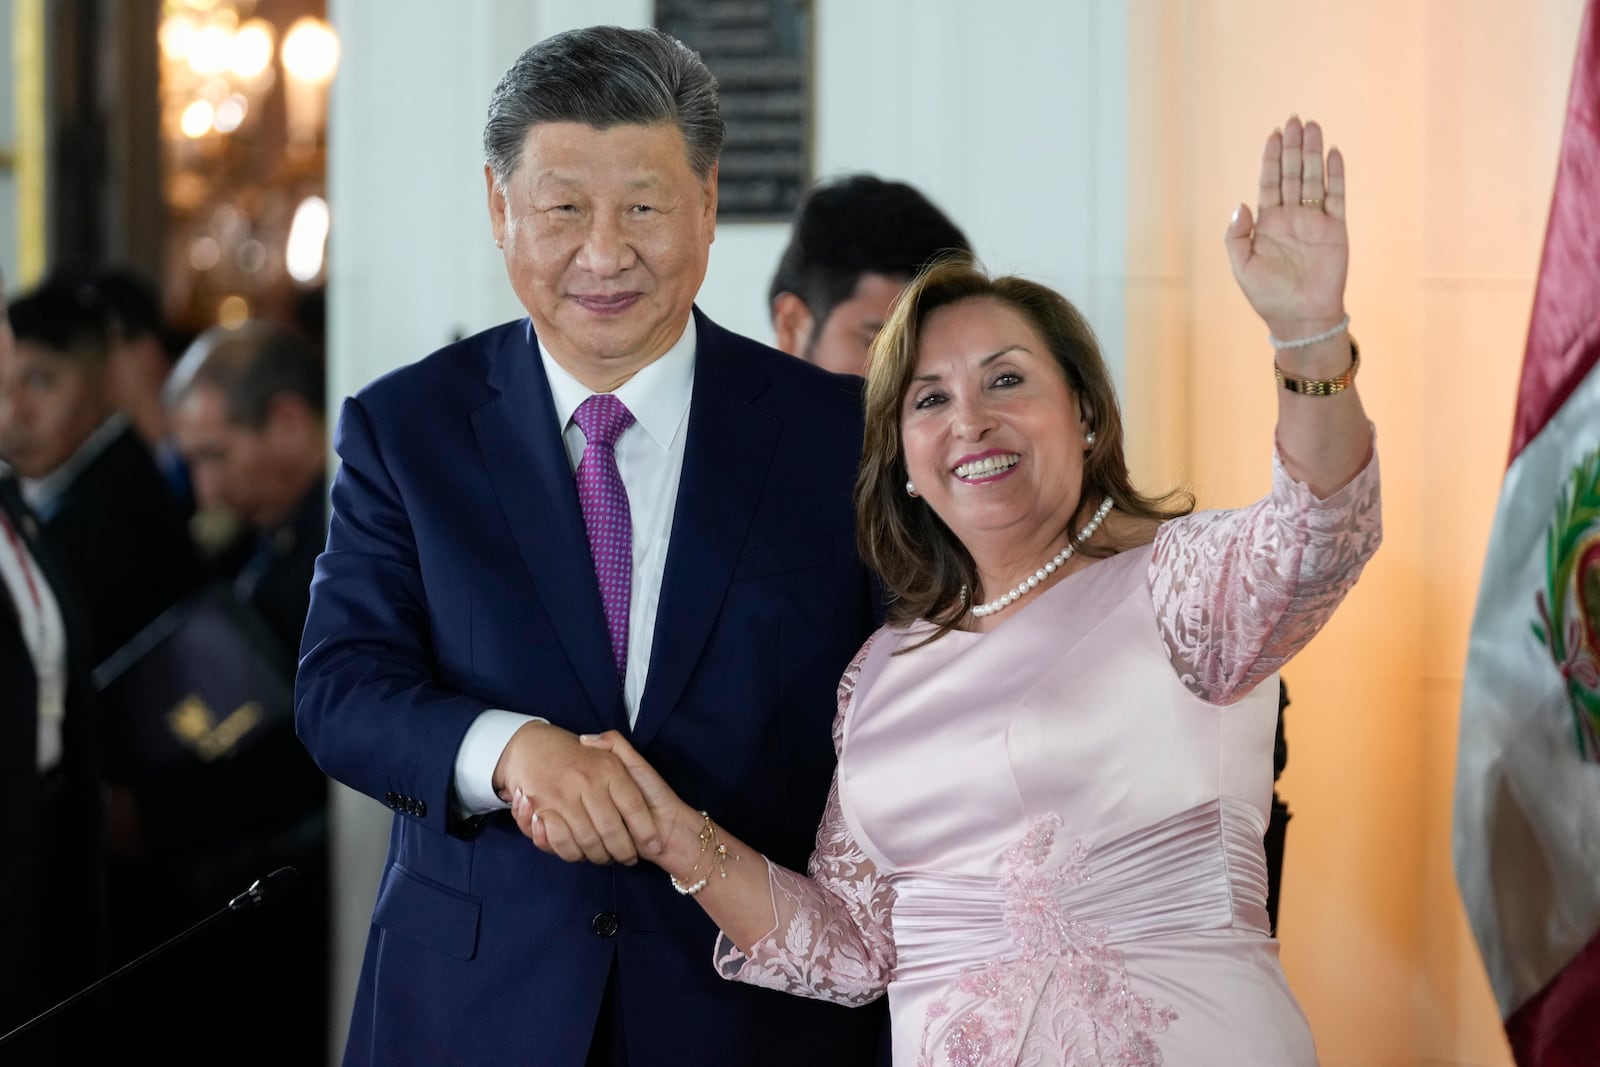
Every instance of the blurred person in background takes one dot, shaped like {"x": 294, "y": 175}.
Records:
{"x": 244, "y": 406}
{"x": 84, "y": 469}
{"x": 142, "y": 351}
{"x": 855, "y": 243}
{"x": 52, "y": 919}
{"x": 122, "y": 540}
{"x": 247, "y": 410}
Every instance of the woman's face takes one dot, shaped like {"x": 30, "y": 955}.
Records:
{"x": 993, "y": 435}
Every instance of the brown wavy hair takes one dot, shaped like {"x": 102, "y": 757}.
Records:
{"x": 924, "y": 567}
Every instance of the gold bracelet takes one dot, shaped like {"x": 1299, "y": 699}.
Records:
{"x": 1323, "y": 386}
{"x": 719, "y": 854}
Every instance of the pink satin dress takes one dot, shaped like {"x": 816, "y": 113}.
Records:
{"x": 1045, "y": 841}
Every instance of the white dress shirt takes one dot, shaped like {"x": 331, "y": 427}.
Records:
{"x": 650, "y": 460}
{"x": 44, "y": 633}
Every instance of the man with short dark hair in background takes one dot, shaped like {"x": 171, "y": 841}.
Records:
{"x": 246, "y": 408}
{"x": 855, "y": 243}
{"x": 142, "y": 351}
{"x": 103, "y": 504}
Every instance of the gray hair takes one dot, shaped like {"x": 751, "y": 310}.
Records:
{"x": 605, "y": 76}
{"x": 250, "y": 365}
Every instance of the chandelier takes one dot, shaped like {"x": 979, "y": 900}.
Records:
{"x": 244, "y": 89}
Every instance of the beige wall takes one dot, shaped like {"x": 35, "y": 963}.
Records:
{"x": 1449, "y": 113}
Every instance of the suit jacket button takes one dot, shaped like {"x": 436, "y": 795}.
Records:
{"x": 391, "y": 799}
{"x": 419, "y": 808}
{"x": 605, "y": 924}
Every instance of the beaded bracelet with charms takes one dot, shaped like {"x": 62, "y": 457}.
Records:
{"x": 709, "y": 842}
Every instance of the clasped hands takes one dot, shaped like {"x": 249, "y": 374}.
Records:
{"x": 590, "y": 797}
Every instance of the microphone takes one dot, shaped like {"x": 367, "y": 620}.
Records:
{"x": 273, "y": 886}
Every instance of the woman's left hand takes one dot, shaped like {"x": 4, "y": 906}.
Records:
{"x": 1291, "y": 259}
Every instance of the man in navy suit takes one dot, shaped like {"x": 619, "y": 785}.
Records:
{"x": 610, "y": 514}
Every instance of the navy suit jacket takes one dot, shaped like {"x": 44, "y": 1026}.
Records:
{"x": 457, "y": 577}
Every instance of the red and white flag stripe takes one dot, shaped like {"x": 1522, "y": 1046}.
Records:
{"x": 1527, "y": 801}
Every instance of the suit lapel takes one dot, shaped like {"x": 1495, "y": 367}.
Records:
{"x": 725, "y": 464}
{"x": 532, "y": 478}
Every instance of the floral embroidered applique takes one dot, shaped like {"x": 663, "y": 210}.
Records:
{"x": 1063, "y": 999}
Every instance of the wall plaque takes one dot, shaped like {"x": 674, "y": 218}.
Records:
{"x": 760, "y": 51}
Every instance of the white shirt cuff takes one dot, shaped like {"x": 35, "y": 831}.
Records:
{"x": 478, "y": 755}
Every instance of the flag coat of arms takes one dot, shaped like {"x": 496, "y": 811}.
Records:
{"x": 1526, "y": 838}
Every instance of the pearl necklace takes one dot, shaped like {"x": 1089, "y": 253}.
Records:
{"x": 1033, "y": 580}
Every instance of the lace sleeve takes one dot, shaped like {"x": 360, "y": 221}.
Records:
{"x": 831, "y": 939}
{"x": 1239, "y": 592}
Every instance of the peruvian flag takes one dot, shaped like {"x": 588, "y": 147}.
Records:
{"x": 1527, "y": 793}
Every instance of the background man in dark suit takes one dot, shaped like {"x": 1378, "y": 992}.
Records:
{"x": 52, "y": 918}
{"x": 123, "y": 544}
{"x": 611, "y": 514}
{"x": 105, "y": 508}
{"x": 854, "y": 244}
{"x": 142, "y": 352}
{"x": 246, "y": 406}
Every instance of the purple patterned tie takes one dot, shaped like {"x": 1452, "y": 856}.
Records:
{"x": 604, "y": 500}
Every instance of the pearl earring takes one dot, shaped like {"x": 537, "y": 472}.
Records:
{"x": 1088, "y": 439}
{"x": 911, "y": 489}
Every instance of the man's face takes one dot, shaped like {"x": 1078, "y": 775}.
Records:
{"x": 49, "y": 405}
{"x": 606, "y": 235}
{"x": 231, "y": 465}
{"x": 844, "y": 341}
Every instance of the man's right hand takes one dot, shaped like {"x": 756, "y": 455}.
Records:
{"x": 581, "y": 802}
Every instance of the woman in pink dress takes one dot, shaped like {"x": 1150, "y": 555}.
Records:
{"x": 1044, "y": 841}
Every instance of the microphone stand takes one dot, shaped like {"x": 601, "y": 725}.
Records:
{"x": 261, "y": 889}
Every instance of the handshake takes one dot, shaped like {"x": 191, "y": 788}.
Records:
{"x": 593, "y": 798}
{"x": 590, "y": 797}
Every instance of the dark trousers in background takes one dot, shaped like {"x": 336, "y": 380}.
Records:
{"x": 66, "y": 952}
